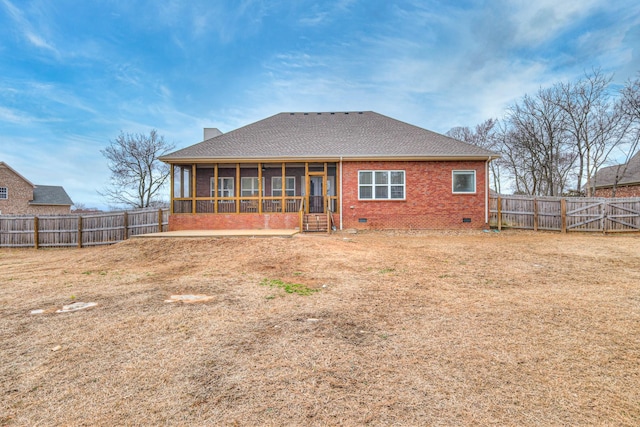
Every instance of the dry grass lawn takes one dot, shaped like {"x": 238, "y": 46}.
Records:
{"x": 427, "y": 328}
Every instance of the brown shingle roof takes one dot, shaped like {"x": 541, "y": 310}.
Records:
{"x": 350, "y": 135}
{"x": 606, "y": 177}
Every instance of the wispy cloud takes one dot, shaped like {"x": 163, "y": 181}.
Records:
{"x": 197, "y": 20}
{"x": 443, "y": 68}
{"x": 539, "y": 21}
{"x": 16, "y": 117}
{"x": 180, "y": 66}
{"x": 27, "y": 30}
{"x": 48, "y": 102}
{"x": 325, "y": 13}
{"x": 127, "y": 73}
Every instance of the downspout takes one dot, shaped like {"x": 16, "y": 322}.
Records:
{"x": 486, "y": 192}
{"x": 341, "y": 191}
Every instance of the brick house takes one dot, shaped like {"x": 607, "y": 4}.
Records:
{"x": 627, "y": 175}
{"x": 18, "y": 196}
{"x": 357, "y": 170}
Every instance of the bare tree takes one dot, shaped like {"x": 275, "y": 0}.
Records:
{"x": 541, "y": 157}
{"x": 630, "y": 103}
{"x": 137, "y": 176}
{"x": 484, "y": 135}
{"x": 629, "y": 107}
{"x": 461, "y": 133}
{"x": 631, "y": 152}
{"x": 554, "y": 141}
{"x": 594, "y": 126}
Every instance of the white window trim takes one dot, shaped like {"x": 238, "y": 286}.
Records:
{"x": 4, "y": 195}
{"x": 220, "y": 178}
{"x": 293, "y": 190}
{"x": 373, "y": 185}
{"x": 475, "y": 183}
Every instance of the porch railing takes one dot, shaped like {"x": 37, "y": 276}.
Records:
{"x": 238, "y": 205}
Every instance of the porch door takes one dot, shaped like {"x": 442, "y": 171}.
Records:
{"x": 316, "y": 197}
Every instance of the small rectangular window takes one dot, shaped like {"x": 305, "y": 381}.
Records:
{"x": 464, "y": 181}
{"x": 4, "y": 193}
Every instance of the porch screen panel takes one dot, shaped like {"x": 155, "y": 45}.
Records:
{"x": 225, "y": 187}
{"x": 250, "y": 187}
{"x": 182, "y": 181}
{"x": 276, "y": 186}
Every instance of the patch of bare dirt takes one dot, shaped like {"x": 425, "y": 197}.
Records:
{"x": 406, "y": 328}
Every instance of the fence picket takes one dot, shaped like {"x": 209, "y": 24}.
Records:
{"x": 565, "y": 214}
{"x": 79, "y": 230}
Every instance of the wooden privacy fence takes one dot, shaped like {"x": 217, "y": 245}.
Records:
{"x": 565, "y": 214}
{"x": 46, "y": 231}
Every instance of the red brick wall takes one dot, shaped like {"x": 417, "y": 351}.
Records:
{"x": 624, "y": 191}
{"x": 49, "y": 210}
{"x": 233, "y": 221}
{"x": 429, "y": 203}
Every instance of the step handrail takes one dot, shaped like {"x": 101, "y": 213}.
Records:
{"x": 301, "y": 215}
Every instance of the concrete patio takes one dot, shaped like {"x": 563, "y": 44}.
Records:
{"x": 218, "y": 233}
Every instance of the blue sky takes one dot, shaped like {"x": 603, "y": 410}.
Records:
{"x": 74, "y": 73}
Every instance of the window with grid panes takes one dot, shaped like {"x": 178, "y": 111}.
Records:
{"x": 381, "y": 185}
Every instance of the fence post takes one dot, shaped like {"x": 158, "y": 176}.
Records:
{"x": 535, "y": 214}
{"x": 126, "y": 225}
{"x": 563, "y": 214}
{"x": 499, "y": 213}
{"x": 79, "y": 231}
{"x": 36, "y": 236}
{"x": 160, "y": 220}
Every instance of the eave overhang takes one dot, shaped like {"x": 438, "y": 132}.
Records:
{"x": 372, "y": 158}
{"x": 623, "y": 184}
{"x": 50, "y": 204}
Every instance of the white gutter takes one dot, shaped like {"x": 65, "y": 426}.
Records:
{"x": 341, "y": 191}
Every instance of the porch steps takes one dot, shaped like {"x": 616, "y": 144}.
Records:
{"x": 315, "y": 223}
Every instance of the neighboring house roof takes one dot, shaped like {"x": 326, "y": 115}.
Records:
{"x": 50, "y": 195}
{"x": 606, "y": 177}
{"x": 347, "y": 135}
{"x": 15, "y": 172}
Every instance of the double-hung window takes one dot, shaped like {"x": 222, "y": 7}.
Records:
{"x": 4, "y": 193}
{"x": 463, "y": 182}
{"x": 276, "y": 186}
{"x": 381, "y": 185}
